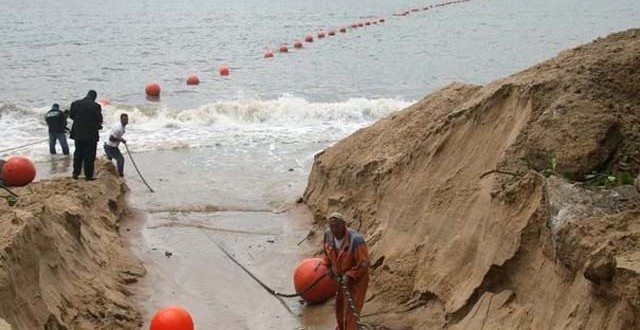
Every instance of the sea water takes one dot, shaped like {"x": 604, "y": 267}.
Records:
{"x": 55, "y": 51}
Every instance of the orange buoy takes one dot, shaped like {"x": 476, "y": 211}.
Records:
{"x": 308, "y": 39}
{"x": 268, "y": 53}
{"x": 343, "y": 30}
{"x": 306, "y": 273}
{"x": 152, "y": 89}
{"x": 381, "y": 20}
{"x": 193, "y": 80}
{"x": 284, "y": 48}
{"x": 297, "y": 44}
{"x": 18, "y": 171}
{"x": 172, "y": 318}
{"x": 224, "y": 70}
{"x": 332, "y": 33}
{"x": 104, "y": 102}
{"x": 320, "y": 35}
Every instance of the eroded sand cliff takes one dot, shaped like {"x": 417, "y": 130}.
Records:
{"x": 549, "y": 240}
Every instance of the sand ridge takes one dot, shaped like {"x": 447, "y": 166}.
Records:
{"x": 464, "y": 227}
{"x": 62, "y": 264}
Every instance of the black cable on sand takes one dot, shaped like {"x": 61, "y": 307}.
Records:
{"x": 271, "y": 291}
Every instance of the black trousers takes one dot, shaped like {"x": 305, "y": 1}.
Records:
{"x": 84, "y": 155}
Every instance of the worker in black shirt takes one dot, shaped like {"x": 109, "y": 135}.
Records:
{"x": 87, "y": 121}
{"x": 57, "y": 122}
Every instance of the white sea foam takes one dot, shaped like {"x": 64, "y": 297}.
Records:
{"x": 242, "y": 124}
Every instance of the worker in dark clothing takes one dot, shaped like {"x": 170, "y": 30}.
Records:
{"x": 57, "y": 122}
{"x": 87, "y": 121}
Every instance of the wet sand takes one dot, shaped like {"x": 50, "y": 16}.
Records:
{"x": 186, "y": 267}
{"x": 176, "y": 232}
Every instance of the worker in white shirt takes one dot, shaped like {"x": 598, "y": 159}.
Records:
{"x": 112, "y": 143}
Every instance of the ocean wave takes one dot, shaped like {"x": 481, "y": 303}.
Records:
{"x": 284, "y": 111}
{"x": 238, "y": 125}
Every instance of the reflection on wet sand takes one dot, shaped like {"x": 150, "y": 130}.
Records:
{"x": 60, "y": 165}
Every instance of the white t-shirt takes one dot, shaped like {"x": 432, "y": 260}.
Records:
{"x": 117, "y": 131}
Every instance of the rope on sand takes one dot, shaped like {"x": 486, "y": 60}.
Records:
{"x": 24, "y": 145}
{"x": 345, "y": 288}
{"x": 136, "y": 167}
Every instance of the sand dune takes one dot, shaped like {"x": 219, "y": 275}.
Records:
{"x": 62, "y": 265}
{"x": 464, "y": 227}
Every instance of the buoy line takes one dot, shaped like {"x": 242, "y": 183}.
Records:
{"x": 152, "y": 90}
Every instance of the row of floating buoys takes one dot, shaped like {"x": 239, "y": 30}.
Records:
{"x": 153, "y": 89}
{"x": 414, "y": 10}
{"x": 322, "y": 35}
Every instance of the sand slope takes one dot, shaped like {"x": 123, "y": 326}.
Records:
{"x": 457, "y": 246}
{"x": 62, "y": 265}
